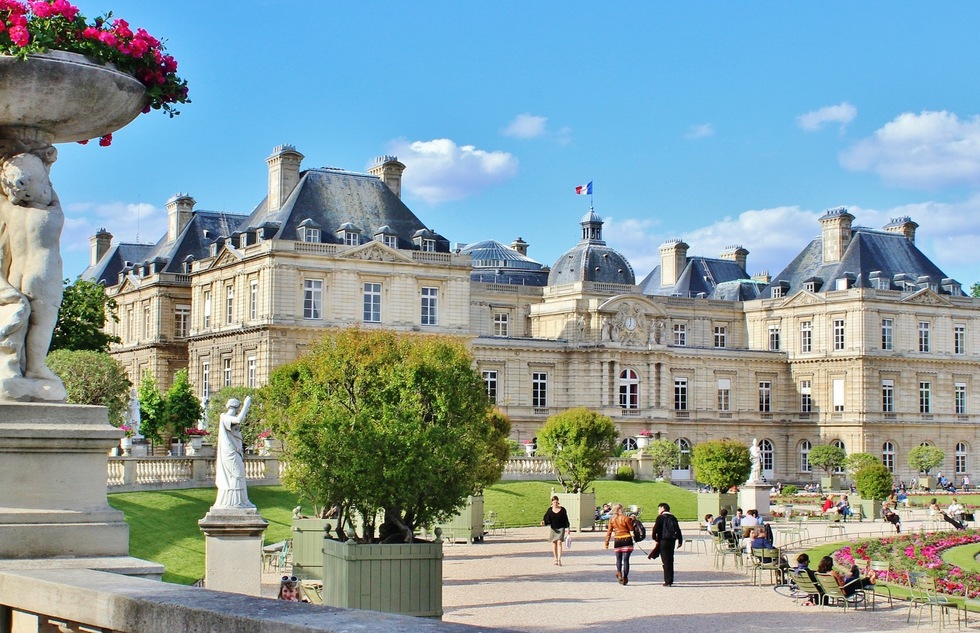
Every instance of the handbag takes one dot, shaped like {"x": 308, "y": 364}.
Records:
{"x": 568, "y": 541}
{"x": 655, "y": 552}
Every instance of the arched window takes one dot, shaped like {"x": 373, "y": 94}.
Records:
{"x": 768, "y": 458}
{"x": 805, "y": 447}
{"x": 629, "y": 444}
{"x": 629, "y": 389}
{"x": 888, "y": 455}
{"x": 839, "y": 444}
{"x": 961, "y": 452}
{"x": 682, "y": 469}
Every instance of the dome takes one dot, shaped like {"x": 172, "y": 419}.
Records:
{"x": 591, "y": 259}
{"x": 494, "y": 262}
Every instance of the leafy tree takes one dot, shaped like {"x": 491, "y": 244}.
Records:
{"x": 254, "y": 422}
{"x": 721, "y": 464}
{"x": 975, "y": 289}
{"x": 181, "y": 409}
{"x": 874, "y": 481}
{"x": 377, "y": 421}
{"x": 856, "y": 461}
{"x": 579, "y": 443}
{"x": 925, "y": 458}
{"x": 497, "y": 451}
{"x": 663, "y": 455}
{"x": 82, "y": 317}
{"x": 828, "y": 457}
{"x": 151, "y": 408}
{"x": 93, "y": 378}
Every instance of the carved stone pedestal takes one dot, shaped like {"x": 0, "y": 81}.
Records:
{"x": 754, "y": 495}
{"x": 233, "y": 550}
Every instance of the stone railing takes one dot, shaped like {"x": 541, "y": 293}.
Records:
{"x": 82, "y": 600}
{"x": 528, "y": 468}
{"x": 132, "y": 474}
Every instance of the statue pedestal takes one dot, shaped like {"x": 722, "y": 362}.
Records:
{"x": 233, "y": 550}
{"x": 754, "y": 494}
{"x": 53, "y": 464}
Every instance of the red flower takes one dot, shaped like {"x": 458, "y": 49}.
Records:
{"x": 19, "y": 35}
{"x": 42, "y": 9}
{"x": 105, "y": 141}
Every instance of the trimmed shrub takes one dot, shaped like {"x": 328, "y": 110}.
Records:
{"x": 625, "y": 473}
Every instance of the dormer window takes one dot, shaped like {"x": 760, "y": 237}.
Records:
{"x": 243, "y": 240}
{"x": 349, "y": 234}
{"x": 390, "y": 241}
{"x": 429, "y": 246}
{"x": 810, "y": 286}
{"x": 308, "y": 231}
{"x": 214, "y": 249}
{"x": 425, "y": 240}
{"x": 351, "y": 238}
{"x": 778, "y": 292}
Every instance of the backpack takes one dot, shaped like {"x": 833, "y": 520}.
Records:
{"x": 639, "y": 532}
{"x": 670, "y": 529}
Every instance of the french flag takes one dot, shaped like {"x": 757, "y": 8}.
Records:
{"x": 584, "y": 189}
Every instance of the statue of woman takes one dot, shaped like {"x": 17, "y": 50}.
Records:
{"x": 229, "y": 475}
{"x": 755, "y": 454}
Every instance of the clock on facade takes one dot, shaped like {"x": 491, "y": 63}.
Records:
{"x": 630, "y": 323}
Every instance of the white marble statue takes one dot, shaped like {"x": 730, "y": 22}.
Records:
{"x": 30, "y": 274}
{"x": 755, "y": 454}
{"x": 229, "y": 475}
{"x": 133, "y": 420}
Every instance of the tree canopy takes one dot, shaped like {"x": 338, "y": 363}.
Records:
{"x": 374, "y": 421}
{"x": 181, "y": 409}
{"x": 579, "y": 442}
{"x": 874, "y": 481}
{"x": 254, "y": 422}
{"x": 721, "y": 464}
{"x": 84, "y": 310}
{"x": 93, "y": 378}
{"x": 924, "y": 458}
{"x": 151, "y": 408}
{"x": 828, "y": 457}
{"x": 663, "y": 455}
{"x": 856, "y": 461}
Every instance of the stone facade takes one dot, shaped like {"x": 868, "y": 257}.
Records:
{"x": 874, "y": 352}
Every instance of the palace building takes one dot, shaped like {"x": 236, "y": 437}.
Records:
{"x": 861, "y": 340}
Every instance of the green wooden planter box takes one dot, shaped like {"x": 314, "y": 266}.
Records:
{"x": 834, "y": 483}
{"x": 468, "y": 524}
{"x": 713, "y": 502}
{"x": 308, "y": 547}
{"x": 404, "y": 578}
{"x": 580, "y": 507}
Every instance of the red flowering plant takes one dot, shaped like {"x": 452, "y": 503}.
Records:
{"x": 37, "y": 26}
{"x": 196, "y": 432}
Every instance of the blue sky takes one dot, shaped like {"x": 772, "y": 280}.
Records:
{"x": 717, "y": 123}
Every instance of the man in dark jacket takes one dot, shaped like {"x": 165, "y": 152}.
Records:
{"x": 667, "y": 534}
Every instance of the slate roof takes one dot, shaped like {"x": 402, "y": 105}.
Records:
{"x": 496, "y": 263}
{"x": 721, "y": 279}
{"x": 332, "y": 197}
{"x": 591, "y": 259}
{"x": 869, "y": 251}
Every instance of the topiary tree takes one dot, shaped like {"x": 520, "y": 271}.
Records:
{"x": 93, "y": 378}
{"x": 856, "y": 461}
{"x": 662, "y": 454}
{"x": 181, "y": 409}
{"x": 925, "y": 458}
{"x": 874, "y": 481}
{"x": 828, "y": 457}
{"x": 151, "y": 408}
{"x": 721, "y": 464}
{"x": 625, "y": 473}
{"x": 579, "y": 443}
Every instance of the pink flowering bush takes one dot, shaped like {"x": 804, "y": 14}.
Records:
{"x": 37, "y": 26}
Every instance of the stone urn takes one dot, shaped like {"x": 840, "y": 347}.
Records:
{"x": 642, "y": 441}
{"x": 126, "y": 445}
{"x": 529, "y": 450}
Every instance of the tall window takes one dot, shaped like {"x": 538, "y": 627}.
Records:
{"x": 923, "y": 336}
{"x": 205, "y": 380}
{"x": 887, "y": 396}
{"x": 684, "y": 463}
{"x": 207, "y": 309}
{"x": 229, "y": 304}
{"x": 629, "y": 389}
{"x": 680, "y": 394}
{"x": 839, "y": 444}
{"x": 959, "y": 397}
{"x": 721, "y": 336}
{"x": 539, "y": 389}
{"x": 925, "y": 397}
{"x": 430, "y": 306}
{"x": 724, "y": 394}
{"x": 226, "y": 372}
{"x": 251, "y": 374}
{"x": 960, "y": 462}
{"x": 372, "y": 303}
{"x": 312, "y": 298}
{"x": 680, "y": 334}
{"x": 490, "y": 380}
{"x": 888, "y": 456}
{"x": 146, "y": 320}
{"x": 806, "y": 396}
{"x": 767, "y": 456}
{"x": 805, "y": 447}
{"x": 838, "y": 385}
{"x": 501, "y": 324}
{"x": 765, "y": 396}
{"x": 959, "y": 339}
{"x": 806, "y": 336}
{"x": 887, "y": 342}
{"x": 182, "y": 321}
{"x": 253, "y": 300}
{"x": 774, "y": 338}
{"x": 838, "y": 334}
{"x": 131, "y": 325}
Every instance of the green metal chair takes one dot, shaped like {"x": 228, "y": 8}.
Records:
{"x": 923, "y": 593}
{"x": 837, "y": 595}
{"x": 762, "y": 560}
{"x": 882, "y": 584}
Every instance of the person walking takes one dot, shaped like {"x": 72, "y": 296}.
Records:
{"x": 621, "y": 531}
{"x": 556, "y": 517}
{"x": 667, "y": 534}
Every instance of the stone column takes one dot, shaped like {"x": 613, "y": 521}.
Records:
{"x": 233, "y": 549}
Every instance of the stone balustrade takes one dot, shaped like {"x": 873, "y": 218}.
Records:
{"x": 530, "y": 468}
{"x": 133, "y": 474}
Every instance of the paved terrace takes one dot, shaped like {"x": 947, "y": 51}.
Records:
{"x": 510, "y": 581}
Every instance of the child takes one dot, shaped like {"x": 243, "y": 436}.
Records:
{"x": 289, "y": 589}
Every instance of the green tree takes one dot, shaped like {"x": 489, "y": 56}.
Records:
{"x": 378, "y": 421}
{"x": 721, "y": 464}
{"x": 924, "y": 458}
{"x": 181, "y": 409}
{"x": 579, "y": 443}
{"x": 93, "y": 378}
{"x": 254, "y": 422}
{"x": 496, "y": 453}
{"x": 828, "y": 457}
{"x": 84, "y": 310}
{"x": 151, "y": 408}
{"x": 663, "y": 455}
{"x": 874, "y": 481}
{"x": 975, "y": 289}
{"x": 856, "y": 461}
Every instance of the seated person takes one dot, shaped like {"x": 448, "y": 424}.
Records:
{"x": 828, "y": 504}
{"x": 902, "y": 497}
{"x": 956, "y": 510}
{"x": 891, "y": 516}
{"x": 709, "y": 519}
{"x": 959, "y": 525}
{"x": 737, "y": 519}
{"x": 720, "y": 526}
{"x": 758, "y": 541}
{"x": 854, "y": 580}
{"x": 749, "y": 521}
{"x": 803, "y": 569}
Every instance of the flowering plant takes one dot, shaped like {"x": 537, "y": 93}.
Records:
{"x": 529, "y": 441}
{"x": 196, "y": 431}
{"x": 645, "y": 433}
{"x": 266, "y": 434}
{"x": 37, "y": 26}
{"x": 128, "y": 430}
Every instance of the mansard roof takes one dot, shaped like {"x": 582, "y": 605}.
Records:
{"x": 712, "y": 278}
{"x": 335, "y": 197}
{"x": 107, "y": 269}
{"x": 885, "y": 254}
{"x": 493, "y": 262}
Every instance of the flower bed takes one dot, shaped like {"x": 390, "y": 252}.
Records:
{"x": 918, "y": 552}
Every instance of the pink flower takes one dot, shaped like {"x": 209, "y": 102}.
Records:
{"x": 90, "y": 33}
{"x": 121, "y": 28}
{"x": 107, "y": 38}
{"x": 66, "y": 9}
{"x": 105, "y": 141}
{"x": 42, "y": 9}
{"x": 19, "y": 35}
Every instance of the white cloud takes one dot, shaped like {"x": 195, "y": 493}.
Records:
{"x": 526, "y": 126}
{"x": 127, "y": 221}
{"x": 842, "y": 113}
{"x": 702, "y": 130}
{"x": 928, "y": 150}
{"x": 441, "y": 171}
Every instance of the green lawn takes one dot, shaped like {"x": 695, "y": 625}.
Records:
{"x": 163, "y": 525}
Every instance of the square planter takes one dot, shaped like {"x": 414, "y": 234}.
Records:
{"x": 404, "y": 578}
{"x": 468, "y": 524}
{"x": 713, "y": 502}
{"x": 308, "y": 547}
{"x": 830, "y": 484}
{"x": 580, "y": 507}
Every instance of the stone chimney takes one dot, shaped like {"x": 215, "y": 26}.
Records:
{"x": 389, "y": 170}
{"x": 736, "y": 254}
{"x": 903, "y": 225}
{"x": 100, "y": 245}
{"x": 762, "y": 277}
{"x": 520, "y": 246}
{"x": 836, "y": 233}
{"x": 673, "y": 261}
{"x": 179, "y": 210}
{"x": 283, "y": 174}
